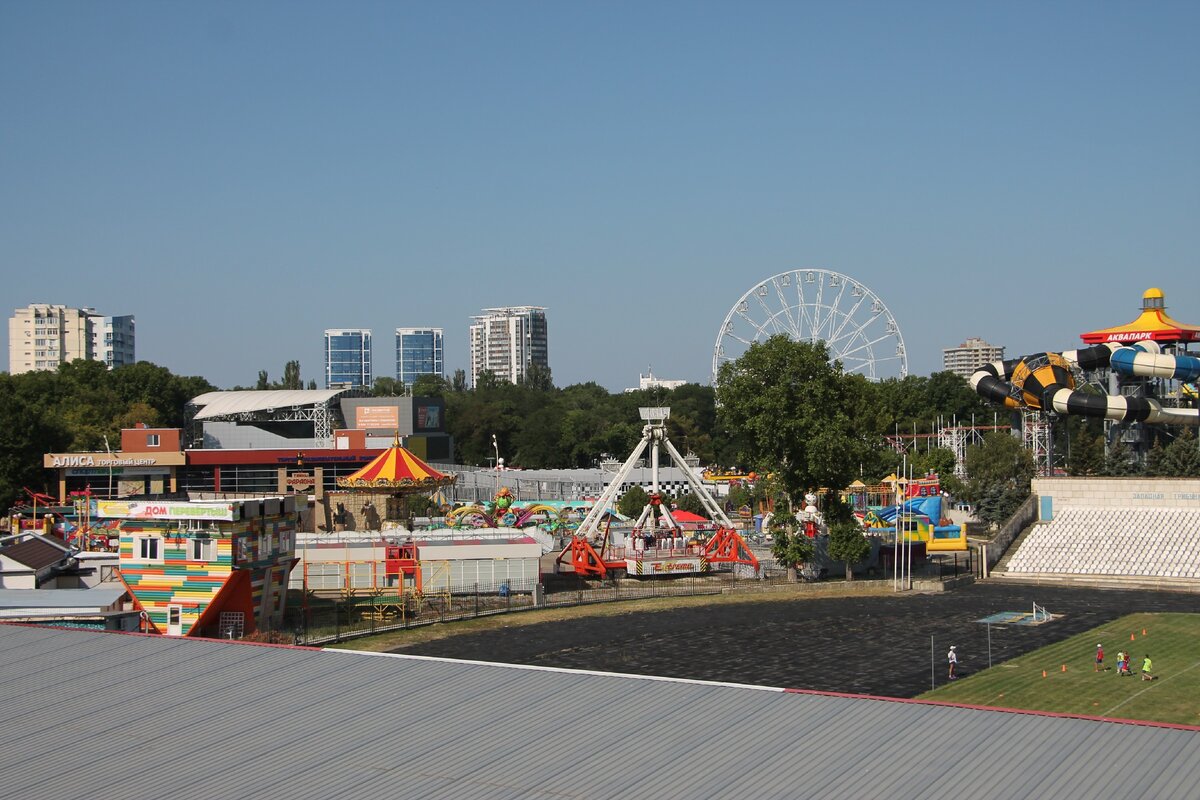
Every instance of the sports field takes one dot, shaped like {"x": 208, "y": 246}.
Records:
{"x": 891, "y": 645}
{"x": 1171, "y": 640}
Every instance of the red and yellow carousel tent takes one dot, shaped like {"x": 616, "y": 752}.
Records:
{"x": 1153, "y": 324}
{"x": 396, "y": 471}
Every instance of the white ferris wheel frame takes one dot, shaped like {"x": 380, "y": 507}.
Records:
{"x": 813, "y": 318}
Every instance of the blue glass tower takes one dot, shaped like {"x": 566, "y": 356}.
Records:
{"x": 348, "y": 359}
{"x": 418, "y": 352}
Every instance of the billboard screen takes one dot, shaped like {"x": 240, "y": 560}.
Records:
{"x": 376, "y": 417}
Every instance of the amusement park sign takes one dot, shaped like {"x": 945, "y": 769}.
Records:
{"x": 1137, "y": 336}
{"x": 665, "y": 566}
{"x": 136, "y": 509}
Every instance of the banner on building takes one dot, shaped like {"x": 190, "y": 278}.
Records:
{"x": 139, "y": 509}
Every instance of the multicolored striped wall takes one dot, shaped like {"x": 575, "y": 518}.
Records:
{"x": 242, "y": 568}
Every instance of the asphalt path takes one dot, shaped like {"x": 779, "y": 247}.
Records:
{"x": 867, "y": 645}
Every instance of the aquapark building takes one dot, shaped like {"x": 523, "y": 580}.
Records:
{"x": 1135, "y": 375}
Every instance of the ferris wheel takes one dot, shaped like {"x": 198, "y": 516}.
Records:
{"x": 810, "y": 305}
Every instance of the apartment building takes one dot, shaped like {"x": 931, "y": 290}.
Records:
{"x": 506, "y": 341}
{"x": 41, "y": 336}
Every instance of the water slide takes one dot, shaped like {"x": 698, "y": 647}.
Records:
{"x": 1045, "y": 381}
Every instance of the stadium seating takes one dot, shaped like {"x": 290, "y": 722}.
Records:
{"x": 1139, "y": 542}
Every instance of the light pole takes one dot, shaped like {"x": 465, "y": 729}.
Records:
{"x": 496, "y": 474}
{"x": 108, "y": 450}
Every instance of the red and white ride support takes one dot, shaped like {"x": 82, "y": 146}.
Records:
{"x": 654, "y": 436}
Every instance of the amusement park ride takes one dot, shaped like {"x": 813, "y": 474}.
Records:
{"x": 502, "y": 511}
{"x": 656, "y": 545}
{"x": 1142, "y": 361}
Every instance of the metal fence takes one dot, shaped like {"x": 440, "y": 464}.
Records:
{"x": 316, "y": 620}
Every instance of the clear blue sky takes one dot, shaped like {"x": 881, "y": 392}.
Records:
{"x": 241, "y": 176}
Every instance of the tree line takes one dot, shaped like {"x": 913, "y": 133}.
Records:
{"x": 81, "y": 407}
{"x": 782, "y": 410}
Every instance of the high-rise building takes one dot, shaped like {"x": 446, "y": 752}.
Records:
{"x": 418, "y": 352}
{"x": 112, "y": 340}
{"x": 506, "y": 341}
{"x": 42, "y": 336}
{"x": 348, "y": 358}
{"x": 970, "y": 356}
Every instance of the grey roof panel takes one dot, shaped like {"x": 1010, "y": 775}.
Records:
{"x": 103, "y": 595}
{"x": 222, "y": 404}
{"x": 137, "y": 716}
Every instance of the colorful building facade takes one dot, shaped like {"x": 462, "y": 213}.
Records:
{"x": 206, "y": 568}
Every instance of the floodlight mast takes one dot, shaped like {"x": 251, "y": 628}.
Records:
{"x": 654, "y": 435}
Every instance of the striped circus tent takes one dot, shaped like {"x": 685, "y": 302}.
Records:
{"x": 394, "y": 471}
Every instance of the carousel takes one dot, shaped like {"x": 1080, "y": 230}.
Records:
{"x": 394, "y": 476}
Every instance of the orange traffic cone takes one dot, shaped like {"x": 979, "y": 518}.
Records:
{"x": 1064, "y": 668}
{"x": 1043, "y": 673}
{"x": 1132, "y": 637}
{"x": 1143, "y": 631}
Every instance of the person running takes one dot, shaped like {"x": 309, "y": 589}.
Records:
{"x": 1099, "y": 658}
{"x": 952, "y": 661}
{"x": 1147, "y": 667}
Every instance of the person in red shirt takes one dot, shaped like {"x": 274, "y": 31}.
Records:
{"x": 1099, "y": 658}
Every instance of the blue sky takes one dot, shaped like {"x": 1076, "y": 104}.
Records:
{"x": 242, "y": 176}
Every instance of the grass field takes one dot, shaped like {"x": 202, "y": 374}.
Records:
{"x": 1171, "y": 640}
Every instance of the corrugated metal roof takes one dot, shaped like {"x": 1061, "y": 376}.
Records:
{"x": 132, "y": 716}
{"x": 98, "y": 596}
{"x": 223, "y": 404}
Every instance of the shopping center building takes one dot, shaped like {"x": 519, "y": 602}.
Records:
{"x": 280, "y": 442}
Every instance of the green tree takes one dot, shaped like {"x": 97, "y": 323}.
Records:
{"x": 538, "y": 378}
{"x": 1119, "y": 462}
{"x": 25, "y": 437}
{"x": 1087, "y": 454}
{"x": 1155, "y": 466}
{"x": 87, "y": 404}
{"x": 999, "y": 460}
{"x": 633, "y": 501}
{"x": 1181, "y": 458}
{"x": 264, "y": 382}
{"x": 156, "y": 387}
{"x": 848, "y": 544}
{"x": 385, "y": 386}
{"x": 291, "y": 376}
{"x": 740, "y": 495}
{"x": 430, "y": 386}
{"x": 138, "y": 413}
{"x": 788, "y": 407}
{"x": 999, "y": 474}
{"x": 789, "y": 545}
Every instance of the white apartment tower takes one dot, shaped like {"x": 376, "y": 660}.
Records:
{"x": 505, "y": 341}
{"x": 970, "y": 356}
{"x": 42, "y": 336}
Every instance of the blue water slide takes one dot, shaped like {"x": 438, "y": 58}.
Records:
{"x": 1143, "y": 359}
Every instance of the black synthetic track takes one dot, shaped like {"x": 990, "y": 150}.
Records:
{"x": 869, "y": 645}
